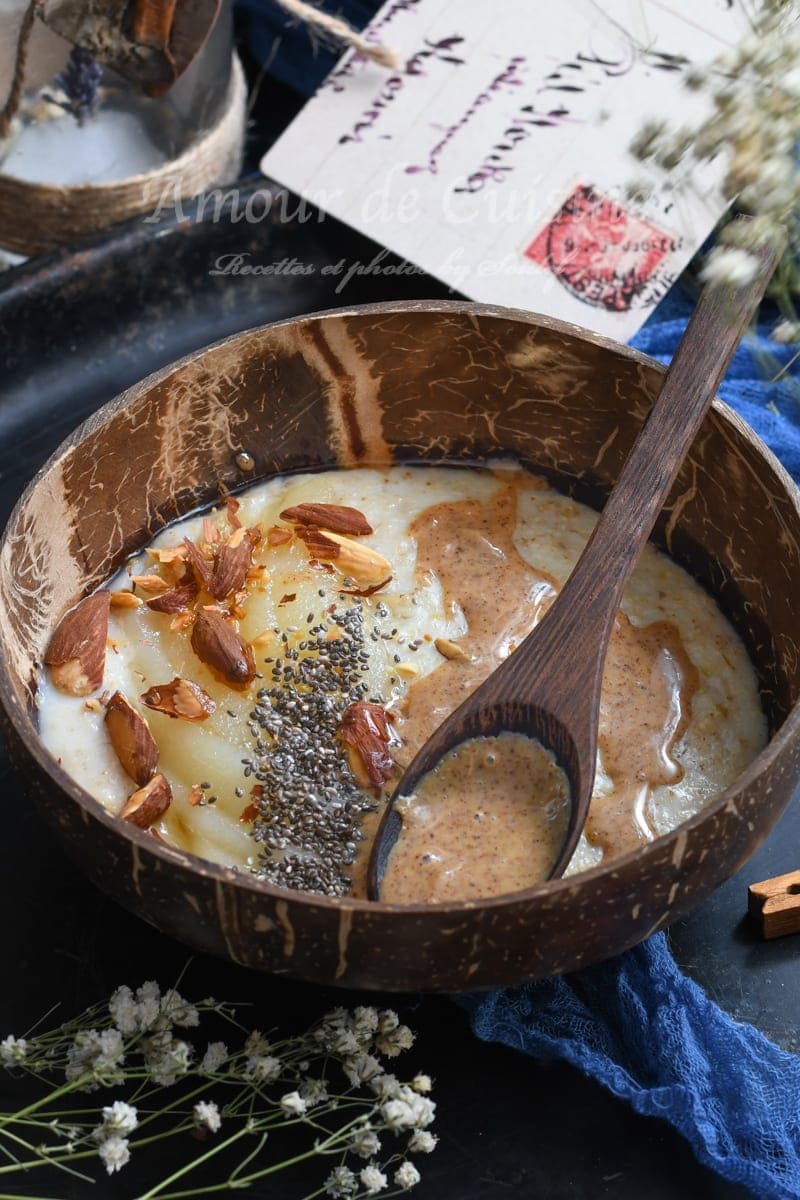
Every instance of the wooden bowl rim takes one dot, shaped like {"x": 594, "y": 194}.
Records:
{"x": 22, "y": 723}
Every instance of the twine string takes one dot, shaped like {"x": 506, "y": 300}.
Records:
{"x": 14, "y": 98}
{"x": 341, "y": 31}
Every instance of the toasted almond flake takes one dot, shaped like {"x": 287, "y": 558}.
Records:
{"x": 338, "y": 518}
{"x": 287, "y": 598}
{"x": 148, "y": 804}
{"x": 407, "y": 669}
{"x": 450, "y": 650}
{"x": 232, "y": 563}
{"x": 258, "y": 574}
{"x": 233, "y": 507}
{"x": 277, "y": 536}
{"x": 237, "y": 537}
{"x": 150, "y": 583}
{"x": 176, "y": 599}
{"x": 125, "y": 600}
{"x": 199, "y": 564}
{"x": 131, "y": 738}
{"x": 211, "y": 534}
{"x": 354, "y": 559}
{"x": 264, "y": 639}
{"x": 93, "y": 705}
{"x": 249, "y": 813}
{"x": 76, "y": 654}
{"x": 195, "y": 795}
{"x": 180, "y": 698}
{"x": 181, "y": 621}
{"x": 366, "y": 732}
{"x": 169, "y": 554}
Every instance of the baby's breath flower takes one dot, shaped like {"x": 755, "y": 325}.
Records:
{"x": 373, "y": 1180}
{"x": 293, "y": 1104}
{"x": 341, "y": 1183}
{"x": 114, "y": 1153}
{"x": 408, "y": 1110}
{"x": 13, "y": 1051}
{"x": 314, "y": 1091}
{"x": 119, "y": 1117}
{"x": 256, "y": 1043}
{"x": 177, "y": 1011}
{"x": 207, "y": 1114}
{"x": 422, "y": 1142}
{"x": 728, "y": 266}
{"x": 365, "y": 1021}
{"x": 406, "y": 1176}
{"x": 365, "y": 1143}
{"x": 124, "y": 1011}
{"x": 215, "y": 1057}
{"x": 148, "y": 1003}
{"x": 360, "y": 1068}
{"x": 385, "y": 1086}
{"x": 262, "y": 1068}
{"x": 167, "y": 1058}
{"x": 422, "y": 1084}
{"x": 388, "y": 1020}
{"x": 786, "y": 332}
{"x": 395, "y": 1041}
{"x": 99, "y": 1053}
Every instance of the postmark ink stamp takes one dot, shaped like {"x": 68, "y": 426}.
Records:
{"x": 603, "y": 254}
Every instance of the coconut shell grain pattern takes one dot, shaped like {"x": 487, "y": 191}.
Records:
{"x": 429, "y": 382}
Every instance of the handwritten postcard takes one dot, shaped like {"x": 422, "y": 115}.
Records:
{"x": 496, "y": 155}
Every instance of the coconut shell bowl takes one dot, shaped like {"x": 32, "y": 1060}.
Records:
{"x": 432, "y": 382}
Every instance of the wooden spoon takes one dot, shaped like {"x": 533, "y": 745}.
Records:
{"x": 549, "y": 688}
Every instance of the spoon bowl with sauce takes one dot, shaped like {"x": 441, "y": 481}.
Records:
{"x": 536, "y": 715}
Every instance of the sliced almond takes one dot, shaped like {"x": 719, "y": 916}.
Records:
{"x": 182, "y": 621}
{"x": 150, "y": 802}
{"x": 366, "y": 732}
{"x": 131, "y": 738}
{"x": 232, "y": 564}
{"x": 277, "y": 536}
{"x": 336, "y": 517}
{"x": 354, "y": 559}
{"x": 169, "y": 554}
{"x": 264, "y": 639}
{"x": 76, "y": 655}
{"x": 125, "y": 600}
{"x": 233, "y": 507}
{"x": 200, "y": 566}
{"x": 195, "y": 795}
{"x": 451, "y": 650}
{"x": 176, "y": 599}
{"x": 211, "y": 535}
{"x": 150, "y": 583}
{"x": 222, "y": 649}
{"x": 408, "y": 670}
{"x": 180, "y": 698}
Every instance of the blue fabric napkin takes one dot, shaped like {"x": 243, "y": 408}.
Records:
{"x": 636, "y": 1023}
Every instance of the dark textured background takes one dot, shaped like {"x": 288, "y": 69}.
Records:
{"x": 77, "y": 328}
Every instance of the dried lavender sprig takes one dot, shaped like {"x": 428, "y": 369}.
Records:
{"x": 79, "y": 81}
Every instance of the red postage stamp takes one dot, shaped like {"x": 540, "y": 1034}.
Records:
{"x": 602, "y": 254}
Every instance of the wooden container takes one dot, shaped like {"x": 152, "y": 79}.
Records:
{"x": 425, "y": 381}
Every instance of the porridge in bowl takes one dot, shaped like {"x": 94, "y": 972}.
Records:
{"x": 271, "y": 667}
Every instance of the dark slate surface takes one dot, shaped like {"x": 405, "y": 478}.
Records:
{"x": 77, "y": 328}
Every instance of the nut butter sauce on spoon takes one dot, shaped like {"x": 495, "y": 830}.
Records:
{"x": 547, "y": 691}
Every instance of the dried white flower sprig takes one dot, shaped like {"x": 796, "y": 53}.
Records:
{"x": 754, "y": 123}
{"x": 158, "y": 1085}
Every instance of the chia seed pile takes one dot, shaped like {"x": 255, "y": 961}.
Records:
{"x": 310, "y": 812}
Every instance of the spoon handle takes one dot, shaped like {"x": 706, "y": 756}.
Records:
{"x": 592, "y": 594}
